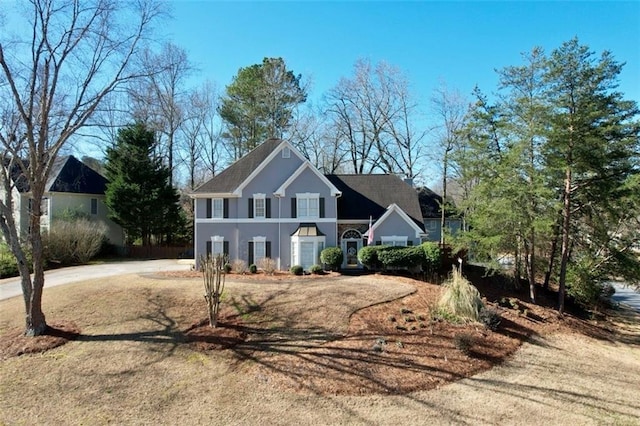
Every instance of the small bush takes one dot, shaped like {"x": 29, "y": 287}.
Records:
{"x": 228, "y": 268}
{"x": 253, "y": 268}
{"x": 268, "y": 265}
{"x": 74, "y": 241}
{"x": 239, "y": 266}
{"x": 8, "y": 264}
{"x": 460, "y": 297}
{"x": 316, "y": 269}
{"x": 401, "y": 257}
{"x": 368, "y": 256}
{"x": 463, "y": 342}
{"x": 296, "y": 270}
{"x": 490, "y": 318}
{"x": 332, "y": 257}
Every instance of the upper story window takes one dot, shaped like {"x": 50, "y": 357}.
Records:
{"x": 308, "y": 206}
{"x": 259, "y": 206}
{"x": 217, "y": 210}
{"x": 94, "y": 206}
{"x": 286, "y": 152}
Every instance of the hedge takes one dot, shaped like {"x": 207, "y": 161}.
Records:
{"x": 427, "y": 255}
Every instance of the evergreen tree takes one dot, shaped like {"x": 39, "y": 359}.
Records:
{"x": 139, "y": 196}
{"x": 259, "y": 104}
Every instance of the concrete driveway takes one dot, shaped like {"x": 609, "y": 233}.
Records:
{"x": 10, "y": 287}
{"x": 626, "y": 295}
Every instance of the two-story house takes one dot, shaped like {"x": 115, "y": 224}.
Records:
{"x": 274, "y": 203}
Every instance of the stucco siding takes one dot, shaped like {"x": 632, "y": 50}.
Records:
{"x": 60, "y": 203}
{"x": 395, "y": 225}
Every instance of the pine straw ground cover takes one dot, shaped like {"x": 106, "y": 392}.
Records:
{"x": 140, "y": 350}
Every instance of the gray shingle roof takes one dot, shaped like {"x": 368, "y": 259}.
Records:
{"x": 233, "y": 176}
{"x": 370, "y": 195}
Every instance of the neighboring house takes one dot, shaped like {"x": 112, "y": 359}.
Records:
{"x": 72, "y": 187}
{"x": 430, "y": 203}
{"x": 274, "y": 203}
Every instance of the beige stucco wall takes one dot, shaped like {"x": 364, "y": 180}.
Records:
{"x": 59, "y": 202}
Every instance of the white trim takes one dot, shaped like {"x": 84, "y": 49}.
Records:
{"x": 394, "y": 207}
{"x": 394, "y": 238}
{"x": 266, "y": 221}
{"x": 265, "y": 162}
{"x": 296, "y": 249}
{"x": 257, "y": 197}
{"x": 217, "y": 239}
{"x": 280, "y": 192}
{"x": 214, "y": 195}
{"x": 213, "y": 209}
{"x": 308, "y": 197}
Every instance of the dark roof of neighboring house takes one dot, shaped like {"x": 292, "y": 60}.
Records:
{"x": 233, "y": 176}
{"x": 365, "y": 195}
{"x": 429, "y": 202}
{"x": 68, "y": 174}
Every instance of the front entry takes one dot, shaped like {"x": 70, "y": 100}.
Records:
{"x": 352, "y": 254}
{"x": 351, "y": 243}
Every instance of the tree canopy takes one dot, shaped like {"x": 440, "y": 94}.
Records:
{"x": 139, "y": 195}
{"x": 259, "y": 104}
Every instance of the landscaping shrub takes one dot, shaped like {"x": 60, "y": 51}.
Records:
{"x": 8, "y": 264}
{"x": 490, "y": 318}
{"x": 463, "y": 342}
{"x": 268, "y": 265}
{"x": 253, "y": 268}
{"x": 228, "y": 268}
{"x": 461, "y": 298}
{"x": 401, "y": 257}
{"x": 368, "y": 256}
{"x": 432, "y": 259}
{"x": 74, "y": 241}
{"x": 316, "y": 269}
{"x": 588, "y": 290}
{"x": 239, "y": 266}
{"x": 296, "y": 270}
{"x": 332, "y": 257}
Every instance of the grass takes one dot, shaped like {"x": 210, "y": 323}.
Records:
{"x": 131, "y": 367}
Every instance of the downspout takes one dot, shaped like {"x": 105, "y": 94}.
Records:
{"x": 279, "y": 231}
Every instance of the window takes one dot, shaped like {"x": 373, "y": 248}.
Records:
{"x": 432, "y": 223}
{"x": 394, "y": 240}
{"x": 217, "y": 245}
{"x": 259, "y": 249}
{"x": 217, "y": 208}
{"x": 94, "y": 206}
{"x": 259, "y": 206}
{"x": 305, "y": 251}
{"x": 44, "y": 207}
{"x": 286, "y": 152}
{"x": 308, "y": 206}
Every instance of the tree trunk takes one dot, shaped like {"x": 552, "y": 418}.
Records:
{"x": 566, "y": 228}
{"x": 530, "y": 265}
{"x": 445, "y": 162}
{"x": 552, "y": 255}
{"x": 35, "y": 320}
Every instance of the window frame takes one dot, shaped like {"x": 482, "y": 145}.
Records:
{"x": 256, "y": 208}
{"x": 93, "y": 208}
{"x": 217, "y": 241}
{"x": 259, "y": 242}
{"x": 303, "y": 202}
{"x": 217, "y": 212}
{"x": 392, "y": 240}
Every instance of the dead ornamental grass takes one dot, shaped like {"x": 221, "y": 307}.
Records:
{"x": 132, "y": 366}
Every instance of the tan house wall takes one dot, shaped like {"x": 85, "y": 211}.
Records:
{"x": 61, "y": 202}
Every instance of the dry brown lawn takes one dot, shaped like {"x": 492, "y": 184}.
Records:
{"x": 303, "y": 352}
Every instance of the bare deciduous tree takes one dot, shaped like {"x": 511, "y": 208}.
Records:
{"x": 73, "y": 55}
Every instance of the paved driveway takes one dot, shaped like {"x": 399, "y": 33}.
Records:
{"x": 10, "y": 287}
{"x": 626, "y": 295}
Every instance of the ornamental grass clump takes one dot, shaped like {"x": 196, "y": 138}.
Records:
{"x": 460, "y": 297}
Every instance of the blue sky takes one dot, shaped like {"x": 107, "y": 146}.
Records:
{"x": 461, "y": 43}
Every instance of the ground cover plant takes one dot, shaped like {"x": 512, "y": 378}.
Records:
{"x": 141, "y": 349}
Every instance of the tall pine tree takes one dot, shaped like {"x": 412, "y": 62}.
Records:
{"x": 139, "y": 195}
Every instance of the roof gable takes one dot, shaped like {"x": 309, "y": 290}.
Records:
{"x": 238, "y": 174}
{"x": 68, "y": 174}
{"x": 390, "y": 210}
{"x": 306, "y": 165}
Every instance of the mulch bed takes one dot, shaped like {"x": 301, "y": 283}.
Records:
{"x": 15, "y": 343}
